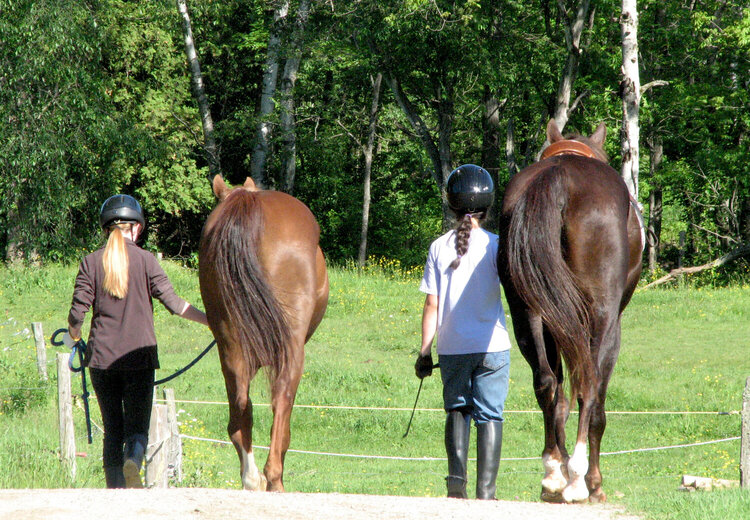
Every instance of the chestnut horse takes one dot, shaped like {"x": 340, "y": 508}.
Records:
{"x": 570, "y": 259}
{"x": 264, "y": 284}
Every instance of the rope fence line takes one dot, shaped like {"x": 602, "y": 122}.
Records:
{"x": 432, "y": 459}
{"x": 396, "y": 409}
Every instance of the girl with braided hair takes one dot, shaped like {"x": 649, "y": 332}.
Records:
{"x": 464, "y": 310}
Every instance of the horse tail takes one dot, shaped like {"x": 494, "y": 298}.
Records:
{"x": 541, "y": 276}
{"x": 257, "y": 318}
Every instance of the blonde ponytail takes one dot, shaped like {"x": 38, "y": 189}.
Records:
{"x": 115, "y": 263}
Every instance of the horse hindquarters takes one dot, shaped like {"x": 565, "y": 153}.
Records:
{"x": 539, "y": 273}
{"x": 543, "y": 281}
{"x": 253, "y": 328}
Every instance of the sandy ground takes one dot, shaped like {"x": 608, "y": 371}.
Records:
{"x": 215, "y": 504}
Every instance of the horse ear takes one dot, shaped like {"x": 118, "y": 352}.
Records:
{"x": 250, "y": 184}
{"x": 220, "y": 187}
{"x": 599, "y": 135}
{"x": 553, "y": 133}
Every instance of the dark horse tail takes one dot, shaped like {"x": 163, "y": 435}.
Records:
{"x": 257, "y": 318}
{"x": 540, "y": 275}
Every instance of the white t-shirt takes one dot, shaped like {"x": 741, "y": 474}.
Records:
{"x": 470, "y": 312}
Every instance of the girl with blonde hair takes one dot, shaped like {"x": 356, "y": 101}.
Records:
{"x": 117, "y": 283}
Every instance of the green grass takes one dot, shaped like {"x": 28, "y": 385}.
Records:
{"x": 683, "y": 350}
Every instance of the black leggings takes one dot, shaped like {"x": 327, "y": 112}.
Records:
{"x": 125, "y": 398}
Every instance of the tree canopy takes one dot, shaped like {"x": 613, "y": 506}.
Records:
{"x": 95, "y": 99}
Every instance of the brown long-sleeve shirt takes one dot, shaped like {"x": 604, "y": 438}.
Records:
{"x": 122, "y": 330}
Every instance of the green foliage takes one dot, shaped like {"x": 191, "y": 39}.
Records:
{"x": 96, "y": 99}
{"x": 703, "y": 120}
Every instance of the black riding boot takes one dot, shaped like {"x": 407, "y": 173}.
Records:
{"x": 457, "y": 448}
{"x": 489, "y": 442}
{"x": 114, "y": 477}
{"x": 135, "y": 450}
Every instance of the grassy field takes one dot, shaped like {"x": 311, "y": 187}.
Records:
{"x": 679, "y": 381}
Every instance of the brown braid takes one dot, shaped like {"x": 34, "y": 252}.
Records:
{"x": 463, "y": 232}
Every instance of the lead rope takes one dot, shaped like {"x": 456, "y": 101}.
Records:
{"x": 185, "y": 369}
{"x": 79, "y": 349}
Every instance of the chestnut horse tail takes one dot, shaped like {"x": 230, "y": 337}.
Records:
{"x": 256, "y": 317}
{"x": 540, "y": 275}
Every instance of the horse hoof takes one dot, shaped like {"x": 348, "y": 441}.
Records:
{"x": 257, "y": 484}
{"x": 553, "y": 497}
{"x": 552, "y": 485}
{"x": 575, "y": 494}
{"x": 598, "y": 496}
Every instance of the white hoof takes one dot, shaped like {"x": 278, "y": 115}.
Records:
{"x": 252, "y": 478}
{"x": 258, "y": 483}
{"x": 554, "y": 480}
{"x": 576, "y": 492}
{"x": 554, "y": 484}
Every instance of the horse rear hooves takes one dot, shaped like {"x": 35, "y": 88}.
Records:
{"x": 598, "y": 496}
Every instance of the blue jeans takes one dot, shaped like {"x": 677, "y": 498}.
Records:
{"x": 476, "y": 384}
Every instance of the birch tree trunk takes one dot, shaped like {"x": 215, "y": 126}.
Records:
{"x": 288, "y": 80}
{"x": 510, "y": 149}
{"x": 209, "y": 143}
{"x": 630, "y": 91}
{"x": 368, "y": 155}
{"x": 270, "y": 76}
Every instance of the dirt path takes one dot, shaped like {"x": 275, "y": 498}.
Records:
{"x": 221, "y": 504}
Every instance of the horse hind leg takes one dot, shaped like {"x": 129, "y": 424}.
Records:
{"x": 283, "y": 392}
{"x": 555, "y": 459}
{"x": 547, "y": 387}
{"x": 594, "y": 475}
{"x": 577, "y": 489}
{"x": 609, "y": 352}
{"x": 240, "y": 426}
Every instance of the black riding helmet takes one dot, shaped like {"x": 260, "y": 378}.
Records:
{"x": 470, "y": 189}
{"x": 120, "y": 208}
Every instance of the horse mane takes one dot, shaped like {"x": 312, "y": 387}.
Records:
{"x": 256, "y": 316}
{"x": 539, "y": 273}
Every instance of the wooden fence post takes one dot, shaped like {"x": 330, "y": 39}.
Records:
{"x": 745, "y": 443}
{"x": 174, "y": 451}
{"x": 156, "y": 453}
{"x": 41, "y": 349}
{"x": 65, "y": 415}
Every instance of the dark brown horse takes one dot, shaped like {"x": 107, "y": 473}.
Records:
{"x": 264, "y": 284}
{"x": 569, "y": 259}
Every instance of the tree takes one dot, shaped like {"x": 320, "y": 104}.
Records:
{"x": 288, "y": 80}
{"x": 573, "y": 31}
{"x": 212, "y": 152}
{"x": 270, "y": 75}
{"x": 699, "y": 122}
{"x": 630, "y": 90}
{"x": 60, "y": 141}
{"x": 429, "y": 55}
